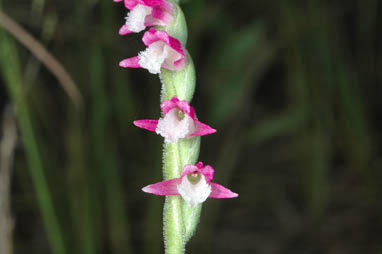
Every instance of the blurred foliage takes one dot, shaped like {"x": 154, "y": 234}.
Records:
{"x": 293, "y": 88}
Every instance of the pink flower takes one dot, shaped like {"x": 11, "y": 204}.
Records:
{"x": 144, "y": 13}
{"x": 194, "y": 185}
{"x": 163, "y": 51}
{"x": 179, "y": 121}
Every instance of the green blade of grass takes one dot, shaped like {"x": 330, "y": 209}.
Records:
{"x": 11, "y": 70}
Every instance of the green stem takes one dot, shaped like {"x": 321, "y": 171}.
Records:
{"x": 179, "y": 83}
{"x": 172, "y": 212}
{"x": 179, "y": 221}
{"x": 173, "y": 225}
{"x": 191, "y": 219}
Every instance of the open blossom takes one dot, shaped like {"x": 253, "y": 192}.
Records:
{"x": 163, "y": 51}
{"x": 144, "y": 13}
{"x": 179, "y": 121}
{"x": 194, "y": 185}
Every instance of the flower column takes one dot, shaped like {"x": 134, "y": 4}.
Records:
{"x": 185, "y": 185}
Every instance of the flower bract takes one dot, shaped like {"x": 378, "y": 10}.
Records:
{"x": 194, "y": 185}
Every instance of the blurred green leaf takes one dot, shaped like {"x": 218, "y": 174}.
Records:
{"x": 233, "y": 64}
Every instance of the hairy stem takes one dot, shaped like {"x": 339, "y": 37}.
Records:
{"x": 179, "y": 221}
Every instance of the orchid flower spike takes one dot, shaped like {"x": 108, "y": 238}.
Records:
{"x": 163, "y": 51}
{"x": 144, "y": 13}
{"x": 194, "y": 185}
{"x": 179, "y": 121}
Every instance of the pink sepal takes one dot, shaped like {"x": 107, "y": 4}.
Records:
{"x": 163, "y": 12}
{"x": 189, "y": 169}
{"x": 218, "y": 191}
{"x": 207, "y": 171}
{"x": 151, "y": 21}
{"x": 167, "y": 105}
{"x": 132, "y": 62}
{"x": 130, "y": 4}
{"x": 154, "y": 2}
{"x": 161, "y": 4}
{"x": 124, "y": 30}
{"x": 164, "y": 188}
{"x": 202, "y": 129}
{"x": 150, "y": 125}
{"x": 153, "y": 35}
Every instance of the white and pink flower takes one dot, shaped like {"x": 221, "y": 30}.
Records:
{"x": 194, "y": 185}
{"x": 179, "y": 121}
{"x": 163, "y": 51}
{"x": 144, "y": 13}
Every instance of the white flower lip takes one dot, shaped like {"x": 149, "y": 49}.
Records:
{"x": 158, "y": 55}
{"x": 136, "y": 18}
{"x": 172, "y": 128}
{"x": 153, "y": 57}
{"x": 194, "y": 193}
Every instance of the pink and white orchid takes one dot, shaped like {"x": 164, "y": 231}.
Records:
{"x": 144, "y": 13}
{"x": 163, "y": 51}
{"x": 179, "y": 121}
{"x": 194, "y": 185}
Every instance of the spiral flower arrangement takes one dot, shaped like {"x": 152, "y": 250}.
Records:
{"x": 187, "y": 183}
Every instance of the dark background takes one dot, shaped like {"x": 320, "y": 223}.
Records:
{"x": 293, "y": 88}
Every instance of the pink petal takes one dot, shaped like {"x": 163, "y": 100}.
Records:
{"x": 186, "y": 108}
{"x": 173, "y": 43}
{"x": 218, "y": 191}
{"x": 154, "y": 2}
{"x": 176, "y": 103}
{"x": 189, "y": 169}
{"x": 153, "y": 35}
{"x": 150, "y": 125}
{"x": 124, "y": 30}
{"x": 132, "y": 62}
{"x": 163, "y": 12}
{"x": 199, "y": 165}
{"x": 164, "y": 188}
{"x": 167, "y": 105}
{"x": 117, "y": 1}
{"x": 177, "y": 46}
{"x": 151, "y": 21}
{"x": 130, "y": 4}
{"x": 202, "y": 129}
{"x": 179, "y": 64}
{"x": 207, "y": 171}
{"x": 150, "y": 36}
